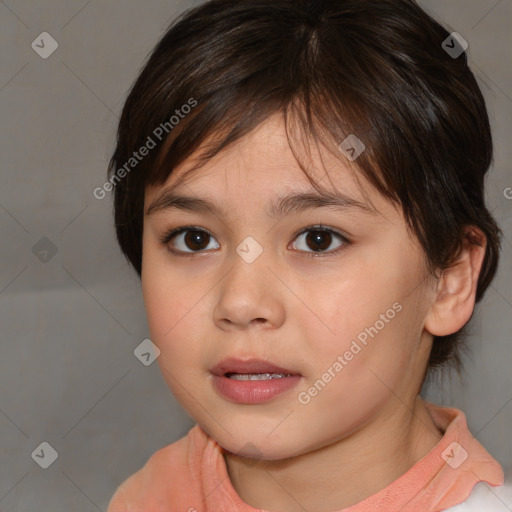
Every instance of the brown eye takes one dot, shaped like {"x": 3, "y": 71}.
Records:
{"x": 188, "y": 240}
{"x": 196, "y": 240}
{"x": 319, "y": 240}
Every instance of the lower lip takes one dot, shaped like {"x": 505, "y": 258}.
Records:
{"x": 253, "y": 391}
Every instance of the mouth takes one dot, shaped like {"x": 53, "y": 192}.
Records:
{"x": 252, "y": 381}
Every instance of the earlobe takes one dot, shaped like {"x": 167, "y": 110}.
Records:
{"x": 455, "y": 295}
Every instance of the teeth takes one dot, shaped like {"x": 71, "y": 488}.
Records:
{"x": 257, "y": 376}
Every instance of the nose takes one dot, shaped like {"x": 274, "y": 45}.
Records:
{"x": 250, "y": 294}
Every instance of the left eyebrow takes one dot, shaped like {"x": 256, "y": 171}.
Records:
{"x": 291, "y": 203}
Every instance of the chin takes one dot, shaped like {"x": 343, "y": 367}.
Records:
{"x": 256, "y": 445}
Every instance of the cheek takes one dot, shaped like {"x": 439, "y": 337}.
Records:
{"x": 355, "y": 303}
{"x": 368, "y": 320}
{"x": 352, "y": 379}
{"x": 170, "y": 297}
{"x": 172, "y": 319}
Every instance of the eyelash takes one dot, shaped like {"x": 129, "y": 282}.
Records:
{"x": 172, "y": 233}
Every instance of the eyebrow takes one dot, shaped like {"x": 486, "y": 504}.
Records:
{"x": 291, "y": 203}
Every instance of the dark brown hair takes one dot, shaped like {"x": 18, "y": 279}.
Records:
{"x": 373, "y": 68}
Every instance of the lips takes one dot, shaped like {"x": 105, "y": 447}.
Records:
{"x": 233, "y": 365}
{"x": 246, "y": 390}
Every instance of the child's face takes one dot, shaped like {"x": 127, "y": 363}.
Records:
{"x": 300, "y": 313}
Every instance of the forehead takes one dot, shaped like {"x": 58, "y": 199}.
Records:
{"x": 262, "y": 165}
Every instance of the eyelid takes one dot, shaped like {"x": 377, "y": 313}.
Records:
{"x": 322, "y": 227}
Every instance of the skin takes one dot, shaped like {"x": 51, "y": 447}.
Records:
{"x": 300, "y": 313}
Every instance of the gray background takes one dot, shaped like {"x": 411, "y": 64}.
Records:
{"x": 71, "y": 320}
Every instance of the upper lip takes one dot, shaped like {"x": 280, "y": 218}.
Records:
{"x": 233, "y": 365}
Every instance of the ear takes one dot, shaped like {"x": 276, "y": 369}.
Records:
{"x": 456, "y": 288}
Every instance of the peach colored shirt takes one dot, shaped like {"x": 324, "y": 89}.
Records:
{"x": 190, "y": 475}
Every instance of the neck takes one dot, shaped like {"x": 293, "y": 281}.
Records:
{"x": 382, "y": 451}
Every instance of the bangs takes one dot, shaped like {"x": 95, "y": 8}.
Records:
{"x": 213, "y": 126}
